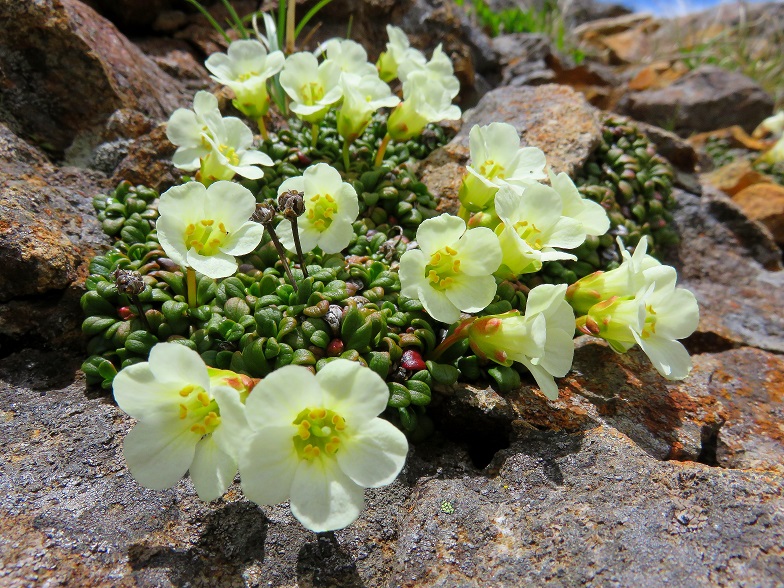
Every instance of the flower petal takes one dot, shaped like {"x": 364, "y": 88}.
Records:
{"x": 171, "y": 237}
{"x": 179, "y": 365}
{"x": 159, "y": 450}
{"x": 479, "y": 251}
{"x": 230, "y": 203}
{"x": 356, "y": 393}
{"x": 268, "y": 464}
{"x": 337, "y": 237}
{"x": 323, "y": 498}
{"x": 438, "y": 305}
{"x": 669, "y": 357}
{"x": 471, "y": 293}
{"x": 212, "y": 470}
{"x": 543, "y": 379}
{"x": 183, "y": 129}
{"x": 218, "y": 265}
{"x": 436, "y": 233}
{"x": 138, "y": 393}
{"x": 281, "y": 396}
{"x": 244, "y": 239}
{"x": 375, "y": 455}
{"x": 412, "y": 273}
{"x": 233, "y": 430}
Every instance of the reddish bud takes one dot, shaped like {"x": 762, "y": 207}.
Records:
{"x": 335, "y": 347}
{"x": 412, "y": 360}
{"x": 126, "y": 313}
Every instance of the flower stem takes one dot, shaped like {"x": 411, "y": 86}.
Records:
{"x": 191, "y": 287}
{"x": 262, "y": 128}
{"x": 142, "y": 317}
{"x": 290, "y": 16}
{"x": 464, "y": 214}
{"x": 282, "y": 254}
{"x": 345, "y": 156}
{"x": 314, "y": 131}
{"x": 457, "y": 335}
{"x": 382, "y": 149}
{"x": 295, "y": 233}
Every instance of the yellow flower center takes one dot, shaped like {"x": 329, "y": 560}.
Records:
{"x": 311, "y": 93}
{"x": 491, "y": 169}
{"x": 204, "y": 238}
{"x": 529, "y": 233}
{"x": 649, "y": 328}
{"x": 443, "y": 268}
{"x": 244, "y": 77}
{"x": 321, "y": 209}
{"x": 199, "y": 406}
{"x": 318, "y": 433}
{"x": 230, "y": 154}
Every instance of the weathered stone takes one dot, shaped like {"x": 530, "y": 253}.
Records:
{"x": 734, "y": 177}
{"x": 71, "y": 512}
{"x": 556, "y": 119}
{"x": 131, "y": 14}
{"x": 148, "y": 161}
{"x": 47, "y": 230}
{"x": 764, "y": 203}
{"x": 591, "y": 509}
{"x": 177, "y": 59}
{"x": 705, "y": 99}
{"x": 734, "y": 268}
{"x": 87, "y": 68}
{"x": 48, "y": 233}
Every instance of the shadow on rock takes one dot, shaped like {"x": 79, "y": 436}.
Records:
{"x": 39, "y": 370}
{"x": 545, "y": 446}
{"x": 233, "y": 538}
{"x": 324, "y": 562}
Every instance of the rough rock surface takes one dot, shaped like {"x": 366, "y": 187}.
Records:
{"x": 48, "y": 233}
{"x": 705, "y": 99}
{"x": 66, "y": 69}
{"x": 764, "y": 202}
{"x": 539, "y": 512}
{"x": 556, "y": 119}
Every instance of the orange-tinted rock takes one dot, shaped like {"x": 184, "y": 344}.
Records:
{"x": 734, "y": 177}
{"x": 148, "y": 162}
{"x": 764, "y": 203}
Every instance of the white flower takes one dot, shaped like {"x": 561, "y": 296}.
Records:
{"x": 532, "y": 226}
{"x": 350, "y": 56}
{"x": 424, "y": 101}
{"x": 399, "y": 51}
{"x": 496, "y": 160}
{"x": 317, "y": 442}
{"x": 542, "y": 340}
{"x": 188, "y": 418}
{"x": 654, "y": 318}
{"x": 187, "y": 129}
{"x": 331, "y": 206}
{"x": 204, "y": 228}
{"x": 245, "y": 69}
{"x": 313, "y": 88}
{"x": 361, "y": 98}
{"x": 626, "y": 280}
{"x": 452, "y": 269}
{"x": 438, "y": 68}
{"x": 773, "y": 124}
{"x": 590, "y": 214}
{"x": 221, "y": 146}
{"x": 230, "y": 140}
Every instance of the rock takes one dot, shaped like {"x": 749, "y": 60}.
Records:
{"x": 131, "y": 14}
{"x": 148, "y": 161}
{"x": 734, "y": 268}
{"x": 538, "y": 512}
{"x": 522, "y": 57}
{"x": 669, "y": 145}
{"x": 619, "y": 40}
{"x": 657, "y": 75}
{"x": 734, "y": 177}
{"x": 87, "y": 67}
{"x": 48, "y": 233}
{"x": 764, "y": 203}
{"x": 177, "y": 59}
{"x": 705, "y": 99}
{"x": 556, "y": 119}
{"x": 590, "y": 509}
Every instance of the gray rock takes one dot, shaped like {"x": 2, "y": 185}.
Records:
{"x": 703, "y": 100}
{"x": 558, "y": 507}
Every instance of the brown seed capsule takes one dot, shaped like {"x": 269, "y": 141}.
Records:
{"x": 128, "y": 282}
{"x": 291, "y": 204}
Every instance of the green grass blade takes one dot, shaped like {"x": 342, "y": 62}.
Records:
{"x": 238, "y": 26}
{"x": 209, "y": 18}
{"x": 311, "y": 13}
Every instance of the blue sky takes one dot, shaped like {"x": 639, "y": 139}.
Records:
{"x": 672, "y": 7}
